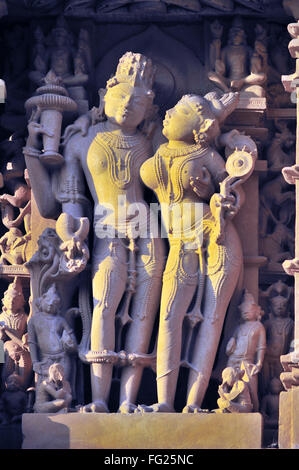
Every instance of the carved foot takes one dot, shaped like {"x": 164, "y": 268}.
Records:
{"x": 156, "y": 408}
{"x": 194, "y": 409}
{"x": 126, "y": 407}
{"x": 97, "y": 406}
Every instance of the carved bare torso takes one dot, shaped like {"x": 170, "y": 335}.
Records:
{"x": 249, "y": 339}
{"x": 236, "y": 60}
{"x": 111, "y": 164}
{"x": 48, "y": 331}
{"x": 60, "y": 61}
{"x": 169, "y": 172}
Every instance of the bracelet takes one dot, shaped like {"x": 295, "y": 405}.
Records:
{"x": 31, "y": 152}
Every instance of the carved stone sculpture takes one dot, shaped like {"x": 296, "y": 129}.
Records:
{"x": 246, "y": 348}
{"x": 13, "y": 331}
{"x": 53, "y": 394}
{"x": 14, "y": 245}
{"x": 13, "y": 401}
{"x": 238, "y": 67}
{"x": 276, "y": 213}
{"x": 204, "y": 247}
{"x": 279, "y": 153}
{"x": 50, "y": 338}
{"x": 279, "y": 329}
{"x": 50, "y": 101}
{"x": 110, "y": 155}
{"x": 234, "y": 393}
{"x": 64, "y": 60}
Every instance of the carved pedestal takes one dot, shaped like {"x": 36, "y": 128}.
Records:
{"x": 289, "y": 401}
{"x": 288, "y": 419}
{"x": 153, "y": 431}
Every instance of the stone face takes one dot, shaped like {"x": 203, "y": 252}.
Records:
{"x": 153, "y": 431}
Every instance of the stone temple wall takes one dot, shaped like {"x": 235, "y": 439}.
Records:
{"x": 56, "y": 64}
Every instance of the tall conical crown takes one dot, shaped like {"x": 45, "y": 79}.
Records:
{"x": 135, "y": 69}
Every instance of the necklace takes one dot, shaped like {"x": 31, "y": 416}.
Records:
{"x": 120, "y": 141}
{"x": 173, "y": 191}
{"x": 185, "y": 150}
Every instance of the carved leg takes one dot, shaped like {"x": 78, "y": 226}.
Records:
{"x": 109, "y": 283}
{"x": 150, "y": 265}
{"x": 179, "y": 285}
{"x": 220, "y": 284}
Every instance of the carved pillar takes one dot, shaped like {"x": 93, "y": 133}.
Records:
{"x": 289, "y": 401}
{"x": 291, "y": 175}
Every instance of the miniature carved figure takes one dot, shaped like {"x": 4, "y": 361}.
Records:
{"x": 13, "y": 331}
{"x": 13, "y": 401}
{"x": 246, "y": 348}
{"x": 204, "y": 247}
{"x": 53, "y": 395}
{"x": 50, "y": 338}
{"x": 278, "y": 246}
{"x": 15, "y": 207}
{"x": 13, "y": 247}
{"x": 234, "y": 393}
{"x": 14, "y": 244}
{"x": 279, "y": 329}
{"x": 50, "y": 101}
{"x": 65, "y": 61}
{"x": 110, "y": 155}
{"x": 279, "y": 153}
{"x": 276, "y": 214}
{"x": 238, "y": 67}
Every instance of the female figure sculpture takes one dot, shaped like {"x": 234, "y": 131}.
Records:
{"x": 110, "y": 155}
{"x": 205, "y": 257}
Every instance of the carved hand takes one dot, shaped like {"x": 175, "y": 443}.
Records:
{"x": 81, "y": 125}
{"x": 35, "y": 129}
{"x": 255, "y": 369}
{"x": 202, "y": 185}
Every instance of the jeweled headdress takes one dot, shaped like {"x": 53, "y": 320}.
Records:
{"x": 15, "y": 290}
{"x": 135, "y": 69}
{"x": 250, "y": 304}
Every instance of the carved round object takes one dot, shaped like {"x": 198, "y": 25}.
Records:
{"x": 239, "y": 164}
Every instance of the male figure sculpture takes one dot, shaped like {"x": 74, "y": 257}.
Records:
{"x": 13, "y": 331}
{"x": 110, "y": 156}
{"x": 50, "y": 338}
{"x": 246, "y": 348}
